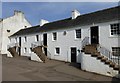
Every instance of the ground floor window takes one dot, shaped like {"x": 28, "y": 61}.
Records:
{"x": 116, "y": 51}
{"x": 25, "y": 50}
{"x": 57, "y": 50}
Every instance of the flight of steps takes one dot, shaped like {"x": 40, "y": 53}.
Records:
{"x": 39, "y": 52}
{"x": 92, "y": 50}
{"x": 13, "y": 52}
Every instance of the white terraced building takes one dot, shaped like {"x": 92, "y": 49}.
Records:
{"x": 9, "y": 26}
{"x": 91, "y": 39}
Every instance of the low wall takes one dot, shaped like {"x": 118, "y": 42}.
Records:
{"x": 92, "y": 64}
{"x": 34, "y": 57}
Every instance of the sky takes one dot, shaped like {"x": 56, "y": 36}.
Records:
{"x": 52, "y": 11}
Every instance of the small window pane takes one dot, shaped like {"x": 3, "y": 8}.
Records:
{"x": 54, "y": 36}
{"x": 116, "y": 51}
{"x": 57, "y": 50}
{"x": 78, "y": 33}
{"x": 115, "y": 29}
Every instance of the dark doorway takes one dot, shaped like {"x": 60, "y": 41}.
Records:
{"x": 45, "y": 42}
{"x": 94, "y": 35}
{"x": 73, "y": 54}
{"x": 19, "y": 48}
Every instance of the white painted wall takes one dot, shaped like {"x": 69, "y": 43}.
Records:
{"x": 91, "y": 64}
{"x": 65, "y": 42}
{"x": 31, "y": 38}
{"x": 106, "y": 39}
{"x": 14, "y": 24}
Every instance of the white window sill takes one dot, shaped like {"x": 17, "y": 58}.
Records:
{"x": 54, "y": 40}
{"x": 57, "y": 55}
{"x": 114, "y": 36}
{"x": 77, "y": 39}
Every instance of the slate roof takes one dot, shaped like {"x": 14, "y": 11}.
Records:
{"x": 101, "y": 16}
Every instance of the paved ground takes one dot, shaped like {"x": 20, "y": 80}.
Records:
{"x": 21, "y": 69}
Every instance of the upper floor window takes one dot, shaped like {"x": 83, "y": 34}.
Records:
{"x": 116, "y": 51}
{"x": 37, "y": 37}
{"x": 15, "y": 40}
{"x": 25, "y": 39}
{"x": 54, "y": 36}
{"x": 25, "y": 50}
{"x": 78, "y": 33}
{"x": 115, "y": 29}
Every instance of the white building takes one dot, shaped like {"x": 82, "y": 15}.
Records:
{"x": 9, "y": 26}
{"x": 90, "y": 39}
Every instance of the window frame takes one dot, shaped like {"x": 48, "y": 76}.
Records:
{"x": 25, "y": 50}
{"x": 54, "y": 36}
{"x": 57, "y": 50}
{"x": 25, "y": 39}
{"x": 116, "y": 31}
{"x": 37, "y": 38}
{"x": 116, "y": 51}
{"x": 76, "y": 33}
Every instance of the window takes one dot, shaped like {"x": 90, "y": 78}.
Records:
{"x": 116, "y": 51}
{"x": 25, "y": 39}
{"x": 115, "y": 29}
{"x": 78, "y": 33}
{"x": 37, "y": 37}
{"x": 25, "y": 50}
{"x": 57, "y": 50}
{"x": 15, "y": 40}
{"x": 29, "y": 50}
{"x": 54, "y": 36}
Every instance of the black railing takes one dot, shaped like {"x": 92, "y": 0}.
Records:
{"x": 109, "y": 55}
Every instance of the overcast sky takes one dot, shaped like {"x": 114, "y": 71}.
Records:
{"x": 51, "y": 11}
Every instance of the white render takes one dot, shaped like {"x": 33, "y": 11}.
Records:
{"x": 65, "y": 42}
{"x": 75, "y": 14}
{"x": 42, "y": 22}
{"x": 91, "y": 64}
{"x": 12, "y": 24}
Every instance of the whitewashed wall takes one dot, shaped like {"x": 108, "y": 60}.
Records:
{"x": 91, "y": 64}
{"x": 31, "y": 38}
{"x": 106, "y": 39}
{"x": 65, "y": 42}
{"x": 14, "y": 24}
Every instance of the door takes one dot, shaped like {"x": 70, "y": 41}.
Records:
{"x": 45, "y": 42}
{"x": 94, "y": 35}
{"x": 19, "y": 48}
{"x": 73, "y": 54}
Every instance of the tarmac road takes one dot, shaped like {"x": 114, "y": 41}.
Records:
{"x": 22, "y": 69}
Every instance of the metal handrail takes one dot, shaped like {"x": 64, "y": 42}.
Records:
{"x": 12, "y": 45}
{"x": 85, "y": 41}
{"x": 109, "y": 55}
{"x": 35, "y": 44}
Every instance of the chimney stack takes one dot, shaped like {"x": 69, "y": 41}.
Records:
{"x": 42, "y": 22}
{"x": 75, "y": 14}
